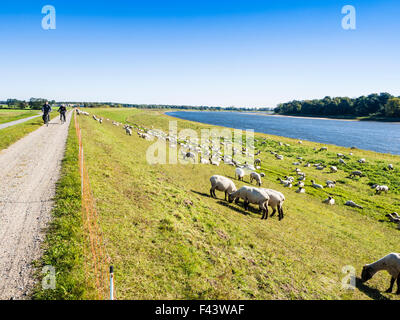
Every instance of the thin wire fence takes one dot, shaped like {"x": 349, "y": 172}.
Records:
{"x": 97, "y": 261}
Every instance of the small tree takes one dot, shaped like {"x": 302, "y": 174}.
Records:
{"x": 392, "y": 108}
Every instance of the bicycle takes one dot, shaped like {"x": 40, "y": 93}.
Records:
{"x": 62, "y": 118}
{"x": 46, "y": 119}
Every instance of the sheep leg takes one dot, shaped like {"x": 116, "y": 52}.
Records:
{"x": 265, "y": 205}
{"x": 398, "y": 285}
{"x": 245, "y": 205}
{"x": 391, "y": 285}
{"x": 280, "y": 213}
{"x": 273, "y": 212}
{"x": 212, "y": 193}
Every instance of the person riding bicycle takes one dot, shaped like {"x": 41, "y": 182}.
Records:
{"x": 46, "y": 109}
{"x": 62, "y": 110}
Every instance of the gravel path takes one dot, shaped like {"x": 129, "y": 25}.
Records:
{"x": 13, "y": 123}
{"x": 29, "y": 170}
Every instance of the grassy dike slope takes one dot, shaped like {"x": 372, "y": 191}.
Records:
{"x": 169, "y": 240}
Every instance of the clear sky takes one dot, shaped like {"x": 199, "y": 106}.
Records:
{"x": 208, "y": 52}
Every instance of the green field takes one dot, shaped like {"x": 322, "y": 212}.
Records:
{"x": 168, "y": 239}
{"x": 8, "y": 115}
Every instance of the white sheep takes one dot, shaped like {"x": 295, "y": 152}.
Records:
{"x": 223, "y": 184}
{"x": 276, "y": 200}
{"x": 351, "y": 203}
{"x": 316, "y": 186}
{"x": 356, "y": 173}
{"x": 301, "y": 190}
{"x": 390, "y": 263}
{"x": 330, "y": 184}
{"x": 128, "y": 131}
{"x": 190, "y": 155}
{"x": 252, "y": 195}
{"x": 380, "y": 189}
{"x": 390, "y": 166}
{"x": 239, "y": 174}
{"x": 333, "y": 169}
{"x": 329, "y": 201}
{"x": 255, "y": 176}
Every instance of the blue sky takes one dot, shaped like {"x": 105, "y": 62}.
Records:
{"x": 227, "y": 53}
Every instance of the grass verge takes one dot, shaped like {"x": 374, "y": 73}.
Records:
{"x": 63, "y": 244}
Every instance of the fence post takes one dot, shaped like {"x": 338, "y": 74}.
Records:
{"x": 111, "y": 283}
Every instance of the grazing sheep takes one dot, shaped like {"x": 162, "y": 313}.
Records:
{"x": 189, "y": 155}
{"x": 300, "y": 184}
{"x": 390, "y": 166}
{"x": 255, "y": 176}
{"x": 351, "y": 203}
{"x": 362, "y": 160}
{"x": 316, "y": 186}
{"x": 380, "y": 189}
{"x": 204, "y": 160}
{"x": 279, "y": 157}
{"x": 356, "y": 173}
{"x": 252, "y": 195}
{"x": 323, "y": 149}
{"x": 257, "y": 162}
{"x": 390, "y": 263}
{"x": 223, "y": 184}
{"x": 329, "y": 201}
{"x": 342, "y": 161}
{"x": 330, "y": 184}
{"x": 128, "y": 131}
{"x": 333, "y": 169}
{"x": 394, "y": 217}
{"x": 301, "y": 190}
{"x": 276, "y": 200}
{"x": 262, "y": 174}
{"x": 239, "y": 174}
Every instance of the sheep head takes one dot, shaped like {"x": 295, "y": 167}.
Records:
{"x": 366, "y": 273}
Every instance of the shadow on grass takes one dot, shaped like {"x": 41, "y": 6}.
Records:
{"x": 370, "y": 292}
{"x": 221, "y": 201}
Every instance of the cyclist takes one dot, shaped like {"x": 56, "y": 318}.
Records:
{"x": 46, "y": 109}
{"x": 62, "y": 110}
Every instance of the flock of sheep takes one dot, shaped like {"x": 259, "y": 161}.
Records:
{"x": 264, "y": 198}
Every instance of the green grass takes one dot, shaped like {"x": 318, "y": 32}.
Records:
{"x": 169, "y": 240}
{"x": 12, "y": 134}
{"x": 8, "y": 115}
{"x": 64, "y": 241}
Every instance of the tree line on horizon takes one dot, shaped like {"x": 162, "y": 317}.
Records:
{"x": 37, "y": 103}
{"x": 373, "y": 105}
